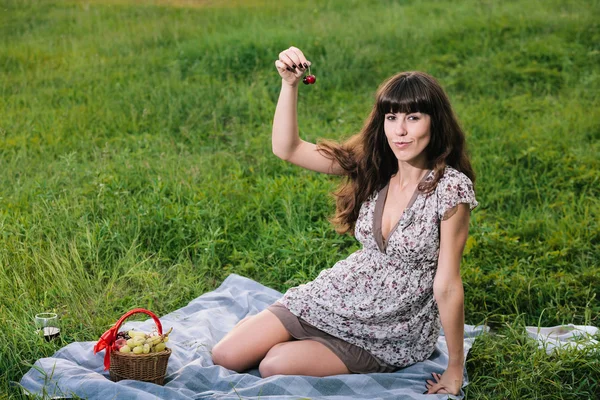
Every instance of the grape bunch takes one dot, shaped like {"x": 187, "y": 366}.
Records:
{"x": 140, "y": 342}
{"x": 123, "y": 335}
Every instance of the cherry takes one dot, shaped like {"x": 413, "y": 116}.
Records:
{"x": 309, "y": 79}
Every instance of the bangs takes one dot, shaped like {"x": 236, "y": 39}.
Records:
{"x": 407, "y": 95}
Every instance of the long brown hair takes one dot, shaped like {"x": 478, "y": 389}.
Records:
{"x": 368, "y": 160}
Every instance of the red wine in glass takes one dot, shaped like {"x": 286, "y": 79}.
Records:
{"x": 47, "y": 326}
{"x": 51, "y": 333}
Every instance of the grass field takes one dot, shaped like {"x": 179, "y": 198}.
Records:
{"x": 136, "y": 165}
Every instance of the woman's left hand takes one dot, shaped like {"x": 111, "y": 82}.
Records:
{"x": 449, "y": 382}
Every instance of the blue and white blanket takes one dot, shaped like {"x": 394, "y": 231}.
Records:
{"x": 197, "y": 327}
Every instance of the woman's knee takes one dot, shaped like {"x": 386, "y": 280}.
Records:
{"x": 226, "y": 357}
{"x": 269, "y": 367}
{"x": 272, "y": 364}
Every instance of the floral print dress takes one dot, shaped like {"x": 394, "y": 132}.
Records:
{"x": 381, "y": 297}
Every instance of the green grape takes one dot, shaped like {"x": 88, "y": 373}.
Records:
{"x": 156, "y": 340}
{"x": 125, "y": 349}
{"x": 130, "y": 343}
{"x": 146, "y": 348}
{"x": 160, "y": 347}
{"x": 138, "y": 341}
{"x": 138, "y": 350}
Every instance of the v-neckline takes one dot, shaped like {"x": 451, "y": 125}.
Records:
{"x": 378, "y": 214}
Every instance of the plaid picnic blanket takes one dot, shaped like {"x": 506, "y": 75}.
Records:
{"x": 75, "y": 371}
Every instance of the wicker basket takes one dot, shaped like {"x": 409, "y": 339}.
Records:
{"x": 151, "y": 367}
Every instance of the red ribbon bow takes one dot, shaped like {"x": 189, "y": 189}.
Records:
{"x": 108, "y": 338}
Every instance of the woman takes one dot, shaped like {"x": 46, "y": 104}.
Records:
{"x": 407, "y": 199}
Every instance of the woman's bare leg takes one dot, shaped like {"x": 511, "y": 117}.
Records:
{"x": 249, "y": 341}
{"x": 301, "y": 357}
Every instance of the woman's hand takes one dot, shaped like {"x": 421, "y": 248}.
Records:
{"x": 449, "y": 382}
{"x": 291, "y": 65}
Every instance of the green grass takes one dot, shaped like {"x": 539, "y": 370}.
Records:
{"x": 136, "y": 167}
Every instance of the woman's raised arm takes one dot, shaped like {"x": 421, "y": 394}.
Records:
{"x": 287, "y": 144}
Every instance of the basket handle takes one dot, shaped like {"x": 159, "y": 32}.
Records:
{"x": 107, "y": 340}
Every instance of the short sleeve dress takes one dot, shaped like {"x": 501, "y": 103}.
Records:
{"x": 380, "y": 298}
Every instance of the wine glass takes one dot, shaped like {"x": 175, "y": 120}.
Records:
{"x": 47, "y": 325}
